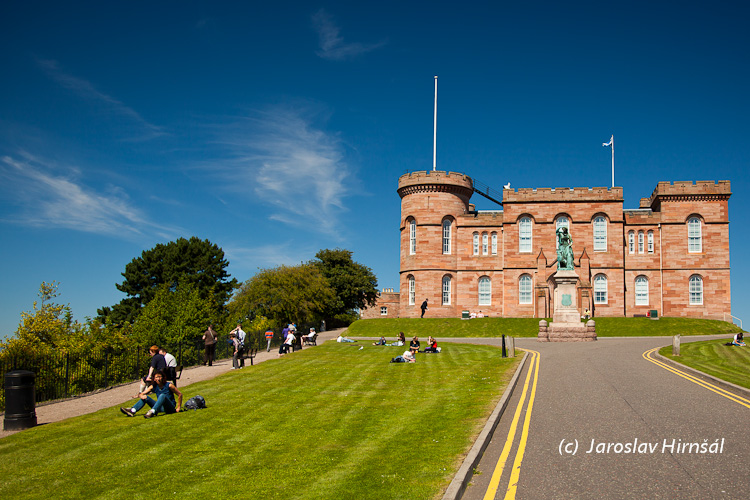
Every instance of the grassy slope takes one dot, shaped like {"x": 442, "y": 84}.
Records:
{"x": 529, "y": 327}
{"x": 713, "y": 357}
{"x": 329, "y": 422}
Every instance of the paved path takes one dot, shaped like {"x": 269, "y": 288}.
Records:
{"x": 607, "y": 392}
{"x": 54, "y": 412}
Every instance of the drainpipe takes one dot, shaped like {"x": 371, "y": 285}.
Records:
{"x": 661, "y": 275}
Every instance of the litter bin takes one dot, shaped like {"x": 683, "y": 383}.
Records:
{"x": 653, "y": 314}
{"x": 20, "y": 400}
{"x": 465, "y": 314}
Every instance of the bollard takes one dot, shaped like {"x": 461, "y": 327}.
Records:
{"x": 512, "y": 347}
{"x": 505, "y": 352}
{"x": 676, "y": 345}
{"x": 20, "y": 400}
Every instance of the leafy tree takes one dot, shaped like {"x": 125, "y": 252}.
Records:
{"x": 173, "y": 316}
{"x": 355, "y": 284}
{"x": 194, "y": 261}
{"x": 284, "y": 294}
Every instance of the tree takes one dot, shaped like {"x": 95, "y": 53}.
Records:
{"x": 284, "y": 294}
{"x": 174, "y": 316}
{"x": 355, "y": 284}
{"x": 194, "y": 261}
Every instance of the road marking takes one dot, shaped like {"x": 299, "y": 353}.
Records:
{"x": 498, "y": 472}
{"x": 692, "y": 378}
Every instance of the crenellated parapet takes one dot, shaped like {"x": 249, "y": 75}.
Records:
{"x": 426, "y": 181}
{"x": 689, "y": 191}
{"x": 556, "y": 195}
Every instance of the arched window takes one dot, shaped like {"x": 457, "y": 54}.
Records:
{"x": 640, "y": 241}
{"x": 631, "y": 242}
{"x": 524, "y": 234}
{"x": 412, "y": 237}
{"x": 485, "y": 291}
{"x": 446, "y": 290}
{"x": 524, "y": 289}
{"x": 476, "y": 243}
{"x": 650, "y": 242}
{"x": 600, "y": 289}
{"x": 695, "y": 241}
{"x": 446, "y": 236}
{"x": 696, "y": 290}
{"x": 485, "y": 244}
{"x": 600, "y": 234}
{"x": 562, "y": 221}
{"x": 641, "y": 291}
{"x": 494, "y": 243}
{"x": 412, "y": 290}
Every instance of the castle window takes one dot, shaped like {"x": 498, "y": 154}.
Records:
{"x": 641, "y": 291}
{"x": 524, "y": 234}
{"x": 695, "y": 243}
{"x": 412, "y": 291}
{"x": 696, "y": 290}
{"x": 640, "y": 241}
{"x": 484, "y": 244}
{"x": 524, "y": 289}
{"x": 412, "y": 237}
{"x": 631, "y": 242}
{"x": 600, "y": 234}
{"x": 650, "y": 242}
{"x": 494, "y": 243}
{"x": 446, "y": 290}
{"x": 476, "y": 243}
{"x": 562, "y": 221}
{"x": 446, "y": 236}
{"x": 600, "y": 289}
{"x": 383, "y": 311}
{"x": 485, "y": 291}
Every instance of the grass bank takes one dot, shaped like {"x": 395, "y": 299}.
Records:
{"x": 329, "y": 422}
{"x": 529, "y": 327}
{"x": 728, "y": 363}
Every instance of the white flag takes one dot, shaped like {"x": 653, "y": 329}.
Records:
{"x": 605, "y": 144}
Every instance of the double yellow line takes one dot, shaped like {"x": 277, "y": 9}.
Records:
{"x": 648, "y": 355}
{"x": 516, "y": 471}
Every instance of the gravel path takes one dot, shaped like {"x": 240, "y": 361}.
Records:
{"x": 89, "y": 403}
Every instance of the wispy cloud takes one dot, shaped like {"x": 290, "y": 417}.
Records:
{"x": 332, "y": 45}
{"x": 49, "y": 197}
{"x": 293, "y": 167}
{"x": 86, "y": 90}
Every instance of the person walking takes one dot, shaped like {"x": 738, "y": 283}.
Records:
{"x": 240, "y": 333}
{"x": 210, "y": 337}
{"x": 269, "y": 338}
{"x": 423, "y": 307}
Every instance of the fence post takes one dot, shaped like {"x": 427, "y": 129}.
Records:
{"x": 106, "y": 366}
{"x": 676, "y": 345}
{"x": 179, "y": 353}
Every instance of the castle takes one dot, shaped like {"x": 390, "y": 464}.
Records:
{"x": 670, "y": 255}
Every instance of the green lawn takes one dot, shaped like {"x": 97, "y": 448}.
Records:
{"x": 329, "y": 422}
{"x": 728, "y": 363}
{"x": 529, "y": 327}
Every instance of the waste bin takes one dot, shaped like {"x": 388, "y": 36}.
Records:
{"x": 653, "y": 314}
{"x": 20, "y": 400}
{"x": 465, "y": 314}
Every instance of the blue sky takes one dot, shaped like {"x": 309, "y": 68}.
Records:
{"x": 275, "y": 129}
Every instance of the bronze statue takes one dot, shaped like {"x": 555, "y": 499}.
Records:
{"x": 564, "y": 249}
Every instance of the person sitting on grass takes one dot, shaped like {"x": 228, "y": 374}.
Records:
{"x": 164, "y": 391}
{"x": 414, "y": 345}
{"x": 431, "y": 345}
{"x": 380, "y": 342}
{"x": 406, "y": 357}
{"x": 738, "y": 340}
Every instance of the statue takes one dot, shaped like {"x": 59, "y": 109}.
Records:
{"x": 564, "y": 249}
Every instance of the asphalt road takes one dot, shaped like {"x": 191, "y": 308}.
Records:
{"x": 606, "y": 392}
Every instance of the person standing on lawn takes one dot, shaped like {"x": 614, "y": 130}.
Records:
{"x": 164, "y": 391}
{"x": 423, "y": 307}
{"x": 240, "y": 333}
{"x": 210, "y": 337}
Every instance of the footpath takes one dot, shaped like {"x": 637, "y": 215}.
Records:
{"x": 89, "y": 403}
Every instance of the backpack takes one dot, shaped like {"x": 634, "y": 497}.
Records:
{"x": 195, "y": 403}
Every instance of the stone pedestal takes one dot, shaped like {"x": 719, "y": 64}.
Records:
{"x": 566, "y": 320}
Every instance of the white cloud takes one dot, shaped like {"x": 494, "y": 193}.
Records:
{"x": 87, "y": 91}
{"x": 49, "y": 198}
{"x": 293, "y": 167}
{"x": 332, "y": 45}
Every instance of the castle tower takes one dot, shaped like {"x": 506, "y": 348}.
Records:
{"x": 431, "y": 202}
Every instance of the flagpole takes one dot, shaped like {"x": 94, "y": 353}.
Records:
{"x": 434, "y": 132}
{"x": 613, "y": 160}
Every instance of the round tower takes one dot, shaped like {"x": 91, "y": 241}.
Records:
{"x": 431, "y": 201}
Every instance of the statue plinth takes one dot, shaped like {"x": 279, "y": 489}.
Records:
{"x": 566, "y": 323}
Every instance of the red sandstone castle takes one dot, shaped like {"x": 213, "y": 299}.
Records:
{"x": 670, "y": 255}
